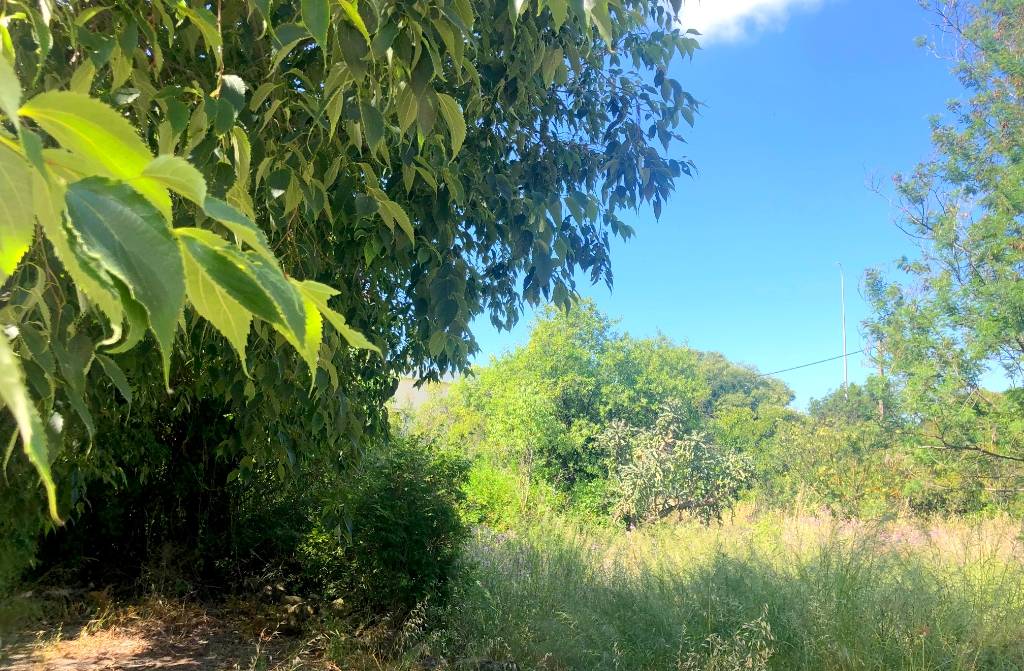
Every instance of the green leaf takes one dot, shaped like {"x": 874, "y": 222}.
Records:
{"x": 231, "y": 270}
{"x": 204, "y": 20}
{"x": 426, "y": 113}
{"x": 215, "y": 304}
{"x": 238, "y": 194}
{"x": 452, "y": 114}
{"x": 597, "y": 10}
{"x": 245, "y": 231}
{"x": 83, "y": 125}
{"x": 373, "y": 124}
{"x": 310, "y": 345}
{"x": 399, "y": 216}
{"x": 14, "y": 395}
{"x": 554, "y": 58}
{"x": 284, "y": 295}
{"x": 116, "y": 375}
{"x": 134, "y": 243}
{"x": 407, "y": 108}
{"x": 135, "y": 315}
{"x": 85, "y": 271}
{"x": 81, "y": 78}
{"x": 10, "y": 92}
{"x": 437, "y": 343}
{"x": 559, "y": 12}
{"x": 232, "y": 90}
{"x": 319, "y": 294}
{"x": 16, "y": 218}
{"x": 44, "y": 38}
{"x": 316, "y": 14}
{"x": 352, "y": 14}
{"x": 178, "y": 175}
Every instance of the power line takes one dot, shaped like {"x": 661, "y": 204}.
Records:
{"x": 813, "y": 363}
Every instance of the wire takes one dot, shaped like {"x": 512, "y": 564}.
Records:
{"x": 813, "y": 363}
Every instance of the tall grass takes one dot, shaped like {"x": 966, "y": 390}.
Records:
{"x": 768, "y": 591}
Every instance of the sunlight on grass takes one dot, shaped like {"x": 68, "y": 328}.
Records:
{"x": 794, "y": 591}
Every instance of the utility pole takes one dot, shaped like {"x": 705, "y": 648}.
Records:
{"x": 842, "y": 307}
{"x": 881, "y": 376}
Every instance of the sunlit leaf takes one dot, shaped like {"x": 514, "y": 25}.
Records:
{"x": 10, "y": 92}
{"x": 319, "y": 294}
{"x": 16, "y": 211}
{"x": 15, "y": 396}
{"x": 178, "y": 175}
{"x": 85, "y": 126}
{"x": 133, "y": 242}
{"x": 452, "y": 114}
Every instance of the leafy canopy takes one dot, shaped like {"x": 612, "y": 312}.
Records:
{"x": 960, "y": 311}
{"x": 192, "y": 190}
{"x": 623, "y": 425}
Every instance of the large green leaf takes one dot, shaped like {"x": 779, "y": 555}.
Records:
{"x": 85, "y": 126}
{"x": 559, "y": 12}
{"x": 214, "y": 304}
{"x": 285, "y": 296}
{"x": 204, "y": 20}
{"x": 309, "y": 348}
{"x": 452, "y": 114}
{"x": 316, "y": 14}
{"x": 319, "y": 294}
{"x": 134, "y": 243}
{"x": 15, "y": 396}
{"x": 86, "y": 272}
{"x": 16, "y": 220}
{"x": 373, "y": 124}
{"x": 178, "y": 175}
{"x": 231, "y": 270}
{"x": 116, "y": 376}
{"x": 245, "y": 231}
{"x": 352, "y": 14}
{"x": 10, "y": 91}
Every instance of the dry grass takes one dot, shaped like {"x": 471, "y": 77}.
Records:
{"x": 761, "y": 591}
{"x": 163, "y": 633}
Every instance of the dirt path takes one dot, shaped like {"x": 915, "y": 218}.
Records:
{"x": 157, "y": 635}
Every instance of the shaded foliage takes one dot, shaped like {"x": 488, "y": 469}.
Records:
{"x": 429, "y": 161}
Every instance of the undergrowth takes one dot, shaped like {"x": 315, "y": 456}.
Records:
{"x": 768, "y": 591}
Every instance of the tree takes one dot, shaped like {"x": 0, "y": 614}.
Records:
{"x": 194, "y": 187}
{"x": 665, "y": 469}
{"x": 856, "y": 403}
{"x": 556, "y": 404}
{"x": 961, "y": 311}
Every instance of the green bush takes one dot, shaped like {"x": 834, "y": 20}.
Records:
{"x": 666, "y": 469}
{"x": 503, "y": 498}
{"x": 396, "y": 531}
{"x": 494, "y": 496}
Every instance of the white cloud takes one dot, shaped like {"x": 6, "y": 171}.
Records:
{"x": 733, "y": 20}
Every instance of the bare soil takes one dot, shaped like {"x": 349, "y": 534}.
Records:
{"x": 159, "y": 634}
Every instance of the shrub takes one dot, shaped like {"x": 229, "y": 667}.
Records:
{"x": 503, "y": 498}
{"x": 494, "y": 496}
{"x": 397, "y": 531}
{"x": 662, "y": 470}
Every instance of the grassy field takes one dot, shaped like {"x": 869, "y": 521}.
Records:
{"x": 760, "y": 591}
{"x": 770, "y": 591}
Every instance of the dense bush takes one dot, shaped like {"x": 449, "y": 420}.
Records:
{"x": 275, "y": 208}
{"x": 664, "y": 469}
{"x": 582, "y": 408}
{"x": 504, "y": 498}
{"x": 391, "y": 537}
{"x": 546, "y": 410}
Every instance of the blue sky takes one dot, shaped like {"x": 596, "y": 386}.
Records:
{"x": 807, "y": 101}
